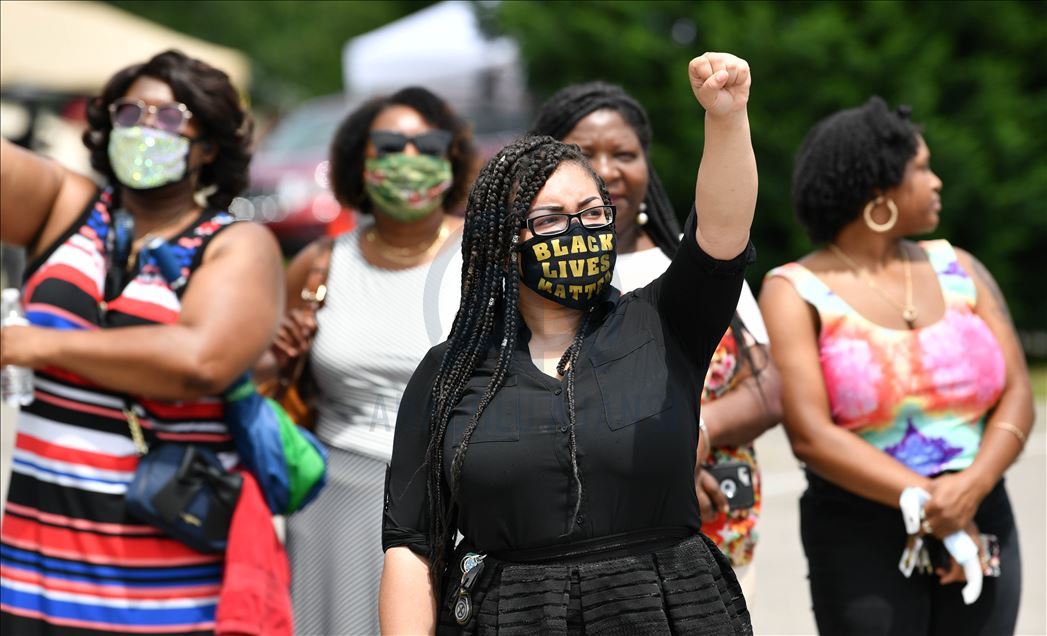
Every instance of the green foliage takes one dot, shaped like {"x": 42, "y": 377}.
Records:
{"x": 295, "y": 46}
{"x": 973, "y": 72}
{"x": 1038, "y": 378}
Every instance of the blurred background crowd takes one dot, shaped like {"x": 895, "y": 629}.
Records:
{"x": 973, "y": 73}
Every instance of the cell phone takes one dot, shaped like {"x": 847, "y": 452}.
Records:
{"x": 736, "y": 483}
{"x": 990, "y": 552}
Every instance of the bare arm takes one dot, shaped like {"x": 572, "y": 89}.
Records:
{"x": 406, "y": 603}
{"x": 229, "y": 313}
{"x": 955, "y": 498}
{"x": 725, "y": 190}
{"x": 745, "y": 412}
{"x": 38, "y": 197}
{"x": 834, "y": 453}
{"x": 295, "y": 327}
{"x": 1000, "y": 448}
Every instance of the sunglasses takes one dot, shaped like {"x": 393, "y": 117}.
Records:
{"x": 125, "y": 113}
{"x": 434, "y": 142}
{"x": 558, "y": 223}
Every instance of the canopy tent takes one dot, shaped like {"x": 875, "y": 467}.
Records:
{"x": 74, "y": 47}
{"x": 442, "y": 48}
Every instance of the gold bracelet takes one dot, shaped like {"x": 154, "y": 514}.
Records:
{"x": 1012, "y": 429}
{"x": 704, "y": 434}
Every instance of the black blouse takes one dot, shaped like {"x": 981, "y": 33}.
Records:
{"x": 637, "y": 390}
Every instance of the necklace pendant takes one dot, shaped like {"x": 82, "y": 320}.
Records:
{"x": 909, "y": 315}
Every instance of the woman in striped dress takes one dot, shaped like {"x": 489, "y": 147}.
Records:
{"x": 142, "y": 300}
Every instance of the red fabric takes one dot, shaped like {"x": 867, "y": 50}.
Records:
{"x": 256, "y": 589}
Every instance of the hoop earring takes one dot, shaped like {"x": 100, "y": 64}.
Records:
{"x": 880, "y": 228}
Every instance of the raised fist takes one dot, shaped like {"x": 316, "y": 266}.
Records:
{"x": 720, "y": 82}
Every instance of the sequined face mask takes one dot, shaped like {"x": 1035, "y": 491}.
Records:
{"x": 144, "y": 158}
{"x": 407, "y": 187}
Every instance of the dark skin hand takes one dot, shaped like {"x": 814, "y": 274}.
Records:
{"x": 737, "y": 418}
{"x": 711, "y": 500}
{"x": 839, "y": 455}
{"x": 955, "y": 497}
{"x": 298, "y": 325}
{"x": 222, "y": 328}
{"x": 742, "y": 415}
{"x": 725, "y": 191}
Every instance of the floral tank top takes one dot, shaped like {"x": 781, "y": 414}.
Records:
{"x": 734, "y": 532}
{"x": 921, "y": 395}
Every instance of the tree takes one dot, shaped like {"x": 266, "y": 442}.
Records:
{"x": 972, "y": 72}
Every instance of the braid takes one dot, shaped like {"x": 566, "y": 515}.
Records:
{"x": 498, "y": 203}
{"x": 739, "y": 331}
{"x": 566, "y": 368}
{"x": 561, "y": 113}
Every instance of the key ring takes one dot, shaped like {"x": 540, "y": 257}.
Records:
{"x": 471, "y": 560}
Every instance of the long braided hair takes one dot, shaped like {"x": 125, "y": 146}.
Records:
{"x": 561, "y": 113}
{"x": 489, "y": 316}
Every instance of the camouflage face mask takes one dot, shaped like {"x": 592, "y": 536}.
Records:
{"x": 407, "y": 187}
{"x": 145, "y": 158}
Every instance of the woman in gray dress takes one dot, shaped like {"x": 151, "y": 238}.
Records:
{"x": 404, "y": 162}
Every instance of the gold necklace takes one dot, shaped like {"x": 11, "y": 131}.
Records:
{"x": 908, "y": 310}
{"x": 408, "y": 254}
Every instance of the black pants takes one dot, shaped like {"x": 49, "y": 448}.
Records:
{"x": 853, "y": 546}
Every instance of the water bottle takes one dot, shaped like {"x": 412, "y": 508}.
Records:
{"x": 16, "y": 383}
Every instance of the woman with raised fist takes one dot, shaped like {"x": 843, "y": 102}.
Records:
{"x": 741, "y": 392}
{"x": 554, "y": 429}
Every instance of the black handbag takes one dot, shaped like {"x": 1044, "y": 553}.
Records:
{"x": 184, "y": 490}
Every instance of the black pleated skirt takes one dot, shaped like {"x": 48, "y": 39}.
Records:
{"x": 688, "y": 588}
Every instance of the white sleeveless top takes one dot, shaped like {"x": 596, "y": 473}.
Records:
{"x": 375, "y": 327}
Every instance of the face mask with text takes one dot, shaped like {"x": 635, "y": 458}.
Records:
{"x": 573, "y": 269}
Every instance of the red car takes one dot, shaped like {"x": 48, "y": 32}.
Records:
{"x": 289, "y": 189}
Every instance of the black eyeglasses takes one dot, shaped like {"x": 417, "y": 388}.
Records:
{"x": 558, "y": 223}
{"x": 434, "y": 142}
{"x": 125, "y": 113}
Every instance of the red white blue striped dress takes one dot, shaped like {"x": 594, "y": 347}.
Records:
{"x": 72, "y": 561}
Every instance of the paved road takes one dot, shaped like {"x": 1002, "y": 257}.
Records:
{"x": 782, "y": 605}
